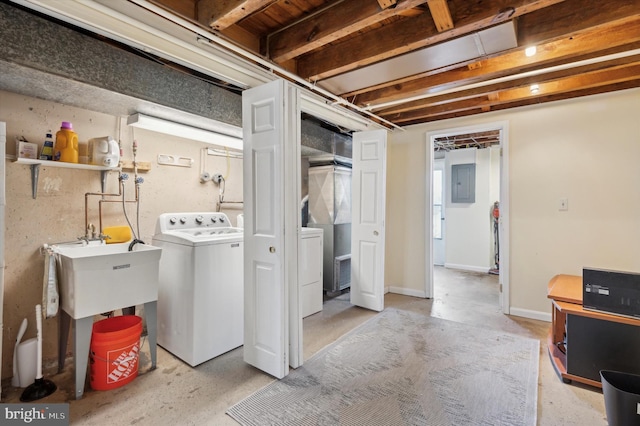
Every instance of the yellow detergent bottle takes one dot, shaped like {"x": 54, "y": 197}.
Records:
{"x": 66, "y": 147}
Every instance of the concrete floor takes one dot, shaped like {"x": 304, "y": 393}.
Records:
{"x": 175, "y": 393}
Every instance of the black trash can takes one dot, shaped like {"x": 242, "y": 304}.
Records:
{"x": 621, "y": 397}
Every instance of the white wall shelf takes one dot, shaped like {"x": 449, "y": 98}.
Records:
{"x": 35, "y": 170}
{"x": 63, "y": 164}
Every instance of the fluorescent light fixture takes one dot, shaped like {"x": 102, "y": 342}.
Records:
{"x": 530, "y": 51}
{"x": 184, "y": 131}
{"x": 534, "y": 88}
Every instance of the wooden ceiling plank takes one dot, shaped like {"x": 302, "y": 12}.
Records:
{"x": 441, "y": 14}
{"x": 329, "y": 25}
{"x": 407, "y": 35}
{"x": 242, "y": 37}
{"x": 615, "y": 37}
{"x": 553, "y": 88}
{"x": 571, "y": 16}
{"x": 185, "y": 8}
{"x": 221, "y": 14}
{"x": 524, "y": 102}
{"x": 520, "y": 82}
{"x": 629, "y": 84}
{"x": 579, "y": 81}
{"x": 625, "y": 34}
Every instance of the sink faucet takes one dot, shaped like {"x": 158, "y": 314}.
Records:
{"x": 91, "y": 235}
{"x": 91, "y": 231}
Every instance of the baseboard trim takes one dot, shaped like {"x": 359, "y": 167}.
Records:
{"x": 482, "y": 269}
{"x": 407, "y": 292}
{"x": 527, "y": 313}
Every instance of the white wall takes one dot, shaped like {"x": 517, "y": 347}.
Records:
{"x": 468, "y": 232}
{"x": 585, "y": 149}
{"x": 405, "y": 224}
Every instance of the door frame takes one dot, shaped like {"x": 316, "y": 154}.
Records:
{"x": 443, "y": 222}
{"x": 503, "y": 127}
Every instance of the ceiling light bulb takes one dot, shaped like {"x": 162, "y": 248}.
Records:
{"x": 530, "y": 51}
{"x": 534, "y": 88}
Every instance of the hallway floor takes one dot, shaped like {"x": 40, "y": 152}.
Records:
{"x": 174, "y": 393}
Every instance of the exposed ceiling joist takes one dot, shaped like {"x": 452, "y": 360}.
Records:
{"x": 221, "y": 14}
{"x": 328, "y": 25}
{"x": 527, "y": 81}
{"x": 623, "y": 34}
{"x": 336, "y": 45}
{"x": 404, "y": 35}
{"x": 441, "y": 14}
{"x": 591, "y": 80}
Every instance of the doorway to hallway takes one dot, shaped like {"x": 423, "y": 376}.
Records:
{"x": 462, "y": 235}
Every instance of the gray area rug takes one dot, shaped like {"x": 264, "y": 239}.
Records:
{"x": 403, "y": 368}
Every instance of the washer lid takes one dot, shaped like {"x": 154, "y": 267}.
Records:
{"x": 201, "y": 236}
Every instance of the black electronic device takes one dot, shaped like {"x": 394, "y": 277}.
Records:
{"x": 614, "y": 292}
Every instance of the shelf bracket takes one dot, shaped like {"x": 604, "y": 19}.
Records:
{"x": 103, "y": 180}
{"x": 35, "y": 172}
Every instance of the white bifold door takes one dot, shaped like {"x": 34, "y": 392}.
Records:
{"x": 367, "y": 219}
{"x": 273, "y": 314}
{"x": 271, "y": 176}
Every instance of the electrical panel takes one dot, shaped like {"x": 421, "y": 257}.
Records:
{"x": 463, "y": 183}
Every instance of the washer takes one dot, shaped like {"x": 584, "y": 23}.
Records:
{"x": 201, "y": 287}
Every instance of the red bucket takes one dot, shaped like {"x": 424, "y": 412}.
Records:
{"x": 115, "y": 343}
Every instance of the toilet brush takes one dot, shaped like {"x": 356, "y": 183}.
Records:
{"x": 41, "y": 387}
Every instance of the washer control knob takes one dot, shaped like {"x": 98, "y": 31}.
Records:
{"x": 173, "y": 220}
{"x": 183, "y": 220}
{"x": 222, "y": 220}
{"x": 199, "y": 220}
{"x": 213, "y": 219}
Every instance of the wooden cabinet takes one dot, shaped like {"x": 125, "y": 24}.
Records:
{"x": 583, "y": 342}
{"x": 311, "y": 270}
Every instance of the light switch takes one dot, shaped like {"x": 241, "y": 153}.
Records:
{"x": 564, "y": 204}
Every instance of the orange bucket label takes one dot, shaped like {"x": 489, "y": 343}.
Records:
{"x": 125, "y": 363}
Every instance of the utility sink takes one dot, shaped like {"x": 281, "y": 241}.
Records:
{"x": 100, "y": 278}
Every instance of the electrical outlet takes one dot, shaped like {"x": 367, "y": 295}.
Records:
{"x": 563, "y": 205}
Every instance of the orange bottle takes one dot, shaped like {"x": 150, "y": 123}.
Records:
{"x": 66, "y": 147}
